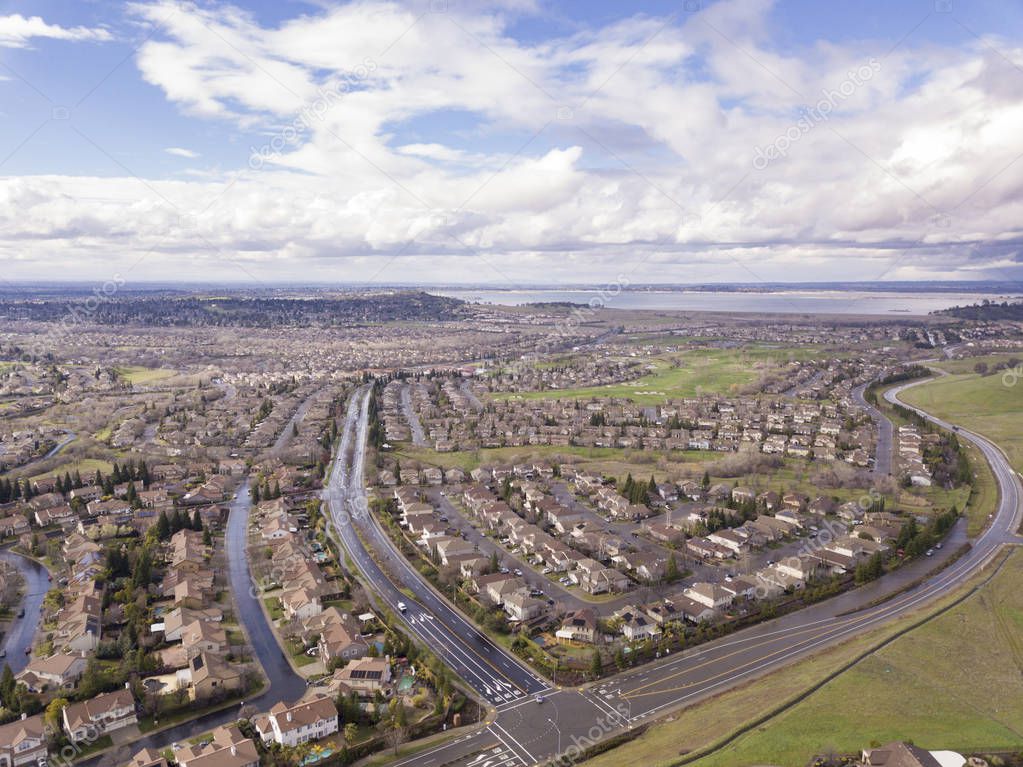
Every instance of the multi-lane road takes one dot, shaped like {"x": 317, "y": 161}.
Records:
{"x": 495, "y": 675}
{"x": 524, "y": 731}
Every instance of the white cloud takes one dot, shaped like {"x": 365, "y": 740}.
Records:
{"x": 180, "y": 152}
{"x": 16, "y": 31}
{"x": 627, "y": 146}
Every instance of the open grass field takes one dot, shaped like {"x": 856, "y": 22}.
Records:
{"x": 86, "y": 467}
{"x": 982, "y": 404}
{"x": 715, "y": 371}
{"x": 612, "y": 461}
{"x": 140, "y": 375}
{"x": 956, "y": 682}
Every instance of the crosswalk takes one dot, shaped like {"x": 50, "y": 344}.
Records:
{"x": 498, "y": 756}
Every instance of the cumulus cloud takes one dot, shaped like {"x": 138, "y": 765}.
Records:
{"x": 17, "y": 31}
{"x": 682, "y": 148}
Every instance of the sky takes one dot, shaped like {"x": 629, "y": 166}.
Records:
{"x": 511, "y": 142}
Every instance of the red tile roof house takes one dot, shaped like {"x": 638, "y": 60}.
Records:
{"x": 23, "y": 742}
{"x": 100, "y": 715}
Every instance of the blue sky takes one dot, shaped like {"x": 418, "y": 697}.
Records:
{"x": 511, "y": 141}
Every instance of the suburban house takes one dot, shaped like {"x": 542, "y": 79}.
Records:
{"x": 147, "y": 757}
{"x": 310, "y": 719}
{"x": 100, "y": 715}
{"x": 54, "y": 673}
{"x": 366, "y": 675}
{"x": 207, "y": 676}
{"x": 23, "y": 742}
{"x": 580, "y": 626}
{"x": 229, "y": 748}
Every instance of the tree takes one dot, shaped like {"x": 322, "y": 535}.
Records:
{"x": 350, "y": 732}
{"x": 671, "y": 569}
{"x": 163, "y": 530}
{"x": 54, "y": 709}
{"x": 397, "y": 724}
{"x": 7, "y": 684}
{"x": 197, "y": 521}
{"x": 596, "y": 664}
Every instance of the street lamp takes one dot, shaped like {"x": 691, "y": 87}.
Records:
{"x": 559, "y": 733}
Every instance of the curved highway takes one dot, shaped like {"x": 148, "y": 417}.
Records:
{"x": 525, "y": 732}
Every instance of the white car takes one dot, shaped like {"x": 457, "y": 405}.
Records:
{"x": 402, "y": 606}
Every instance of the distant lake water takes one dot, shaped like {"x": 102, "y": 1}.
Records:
{"x": 781, "y": 302}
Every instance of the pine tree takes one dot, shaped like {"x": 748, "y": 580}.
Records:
{"x": 163, "y": 531}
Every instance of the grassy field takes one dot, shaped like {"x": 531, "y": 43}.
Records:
{"x": 140, "y": 375}
{"x": 982, "y": 404}
{"x": 688, "y": 374}
{"x": 86, "y": 467}
{"x": 955, "y": 682}
{"x": 608, "y": 459}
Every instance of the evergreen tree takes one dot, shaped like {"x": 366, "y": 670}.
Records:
{"x": 163, "y": 531}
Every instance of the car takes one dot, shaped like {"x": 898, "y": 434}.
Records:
{"x": 547, "y": 571}
{"x": 518, "y": 572}
{"x": 505, "y": 571}
{"x": 443, "y": 519}
{"x": 938, "y": 545}
{"x": 539, "y": 698}
{"x": 728, "y": 578}
{"x": 402, "y": 607}
{"x": 930, "y": 552}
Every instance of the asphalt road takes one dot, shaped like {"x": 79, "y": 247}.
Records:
{"x": 525, "y": 732}
{"x": 418, "y": 437}
{"x": 284, "y": 683}
{"x": 885, "y": 438}
{"x": 22, "y": 630}
{"x": 493, "y": 673}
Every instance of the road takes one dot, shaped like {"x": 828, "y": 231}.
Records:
{"x": 414, "y": 425}
{"x": 288, "y": 431}
{"x": 493, "y": 673}
{"x": 284, "y": 683}
{"x": 22, "y": 630}
{"x": 525, "y": 732}
{"x": 885, "y": 434}
{"x": 70, "y": 437}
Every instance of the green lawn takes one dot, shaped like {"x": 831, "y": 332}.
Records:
{"x": 86, "y": 467}
{"x": 134, "y": 374}
{"x": 954, "y": 683}
{"x": 590, "y": 457}
{"x": 688, "y": 374}
{"x": 982, "y": 404}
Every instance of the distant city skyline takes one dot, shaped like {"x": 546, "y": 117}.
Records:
{"x": 510, "y": 143}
